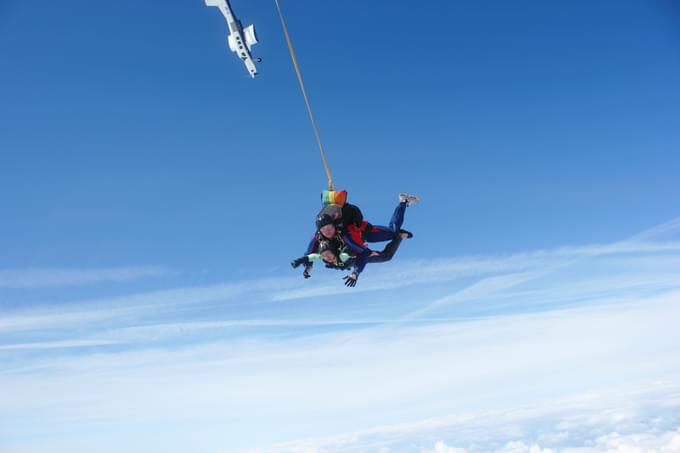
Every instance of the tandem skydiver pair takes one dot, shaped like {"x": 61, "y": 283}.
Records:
{"x": 342, "y": 233}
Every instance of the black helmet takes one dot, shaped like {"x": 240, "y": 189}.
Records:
{"x": 322, "y": 220}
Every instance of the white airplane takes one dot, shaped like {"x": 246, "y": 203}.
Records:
{"x": 240, "y": 39}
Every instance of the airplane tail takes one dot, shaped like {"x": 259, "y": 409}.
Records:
{"x": 250, "y": 36}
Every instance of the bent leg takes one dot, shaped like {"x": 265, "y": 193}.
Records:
{"x": 398, "y": 217}
{"x": 388, "y": 252}
{"x": 378, "y": 233}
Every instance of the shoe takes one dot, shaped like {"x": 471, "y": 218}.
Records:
{"x": 409, "y": 235}
{"x": 409, "y": 199}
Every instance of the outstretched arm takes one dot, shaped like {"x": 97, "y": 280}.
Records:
{"x": 309, "y": 257}
{"x": 361, "y": 260}
{"x": 302, "y": 260}
{"x": 307, "y": 263}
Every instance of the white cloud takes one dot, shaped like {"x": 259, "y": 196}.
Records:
{"x": 637, "y": 442}
{"x": 47, "y": 278}
{"x": 646, "y": 442}
{"x": 533, "y": 429}
{"x": 517, "y": 446}
{"x": 122, "y": 309}
{"x": 441, "y": 447}
{"x": 56, "y": 344}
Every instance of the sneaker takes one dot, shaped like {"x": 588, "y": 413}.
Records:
{"x": 408, "y": 234}
{"x": 409, "y": 199}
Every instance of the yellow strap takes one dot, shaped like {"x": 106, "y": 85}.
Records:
{"x": 304, "y": 95}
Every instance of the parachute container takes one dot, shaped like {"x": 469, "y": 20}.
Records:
{"x": 337, "y": 197}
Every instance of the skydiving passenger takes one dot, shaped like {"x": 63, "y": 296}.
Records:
{"x": 341, "y": 236}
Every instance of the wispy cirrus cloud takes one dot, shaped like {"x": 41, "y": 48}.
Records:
{"x": 442, "y": 270}
{"x": 56, "y": 345}
{"x": 49, "y": 278}
{"x": 546, "y": 277}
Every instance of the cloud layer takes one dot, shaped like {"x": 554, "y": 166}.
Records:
{"x": 642, "y": 419}
{"x": 572, "y": 350}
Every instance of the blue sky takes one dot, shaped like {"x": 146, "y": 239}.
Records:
{"x": 152, "y": 195}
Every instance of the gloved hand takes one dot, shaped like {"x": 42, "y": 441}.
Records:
{"x": 351, "y": 279}
{"x": 296, "y": 263}
{"x": 307, "y": 272}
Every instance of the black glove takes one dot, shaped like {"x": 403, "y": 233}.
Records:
{"x": 307, "y": 272}
{"x": 296, "y": 263}
{"x": 351, "y": 279}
